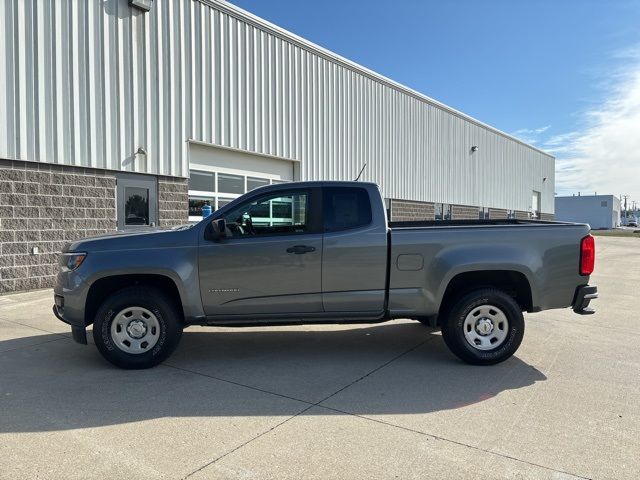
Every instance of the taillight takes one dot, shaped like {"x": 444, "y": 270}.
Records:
{"x": 587, "y": 255}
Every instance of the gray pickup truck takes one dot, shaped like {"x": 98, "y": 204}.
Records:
{"x": 321, "y": 252}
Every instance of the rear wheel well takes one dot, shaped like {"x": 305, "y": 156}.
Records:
{"x": 511, "y": 282}
{"x": 102, "y": 288}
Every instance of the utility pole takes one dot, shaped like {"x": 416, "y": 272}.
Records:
{"x": 625, "y": 197}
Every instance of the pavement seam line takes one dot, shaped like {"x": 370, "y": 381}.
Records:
{"x": 213, "y": 377}
{"x": 310, "y": 404}
{"x": 448, "y": 440}
{"x": 246, "y": 443}
{"x": 258, "y": 389}
{"x": 380, "y": 367}
{"x": 318, "y": 404}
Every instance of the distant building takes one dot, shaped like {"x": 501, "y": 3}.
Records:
{"x": 599, "y": 211}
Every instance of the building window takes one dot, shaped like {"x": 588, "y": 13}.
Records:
{"x": 442, "y": 211}
{"x": 136, "y": 206}
{"x": 223, "y": 201}
{"x": 220, "y": 188}
{"x": 483, "y": 213}
{"x": 603, "y": 203}
{"x": 203, "y": 181}
{"x": 230, "y": 183}
{"x": 253, "y": 183}
{"x": 196, "y": 204}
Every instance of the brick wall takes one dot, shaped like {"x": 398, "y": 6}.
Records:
{"x": 520, "y": 215}
{"x": 547, "y": 216}
{"x": 498, "y": 213}
{"x": 173, "y": 201}
{"x": 406, "y": 210}
{"x": 46, "y": 206}
{"x": 464, "y": 212}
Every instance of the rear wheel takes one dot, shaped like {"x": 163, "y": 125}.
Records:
{"x": 483, "y": 327}
{"x": 137, "y": 327}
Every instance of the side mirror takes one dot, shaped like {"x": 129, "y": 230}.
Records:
{"x": 216, "y": 230}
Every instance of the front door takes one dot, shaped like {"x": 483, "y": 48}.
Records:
{"x": 270, "y": 262}
{"x": 137, "y": 200}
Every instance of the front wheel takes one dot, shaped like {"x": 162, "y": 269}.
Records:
{"x": 137, "y": 327}
{"x": 484, "y": 327}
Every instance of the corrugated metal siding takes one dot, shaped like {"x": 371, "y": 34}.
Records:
{"x": 88, "y": 82}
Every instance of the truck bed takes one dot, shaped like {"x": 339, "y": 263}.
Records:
{"x": 466, "y": 223}
{"x": 427, "y": 255}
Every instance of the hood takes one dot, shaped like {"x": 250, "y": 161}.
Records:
{"x": 150, "y": 237}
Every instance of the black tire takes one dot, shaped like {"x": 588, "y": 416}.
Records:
{"x": 453, "y": 326}
{"x": 168, "y": 319}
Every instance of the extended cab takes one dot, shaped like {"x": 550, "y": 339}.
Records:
{"x": 321, "y": 252}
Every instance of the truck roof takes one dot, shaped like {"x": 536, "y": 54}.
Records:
{"x": 316, "y": 183}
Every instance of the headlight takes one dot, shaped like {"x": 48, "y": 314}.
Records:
{"x": 71, "y": 261}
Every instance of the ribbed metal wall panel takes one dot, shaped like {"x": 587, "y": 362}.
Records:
{"x": 87, "y": 82}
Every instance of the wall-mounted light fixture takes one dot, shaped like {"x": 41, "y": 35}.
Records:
{"x": 144, "y": 5}
{"x": 474, "y": 148}
{"x": 544, "y": 179}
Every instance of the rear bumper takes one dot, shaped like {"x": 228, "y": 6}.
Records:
{"x": 584, "y": 295}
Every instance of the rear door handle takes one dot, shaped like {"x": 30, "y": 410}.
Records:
{"x": 299, "y": 249}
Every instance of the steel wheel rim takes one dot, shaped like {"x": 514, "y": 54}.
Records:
{"x": 135, "y": 330}
{"x": 485, "y": 327}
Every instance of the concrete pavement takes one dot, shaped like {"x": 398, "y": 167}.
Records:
{"x": 368, "y": 401}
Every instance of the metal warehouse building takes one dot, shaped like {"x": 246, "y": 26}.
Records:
{"x": 599, "y": 211}
{"x": 112, "y": 116}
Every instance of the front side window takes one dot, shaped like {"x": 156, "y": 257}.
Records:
{"x": 346, "y": 208}
{"x": 272, "y": 214}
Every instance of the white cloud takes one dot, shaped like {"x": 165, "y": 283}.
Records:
{"x": 530, "y": 135}
{"x": 605, "y": 155}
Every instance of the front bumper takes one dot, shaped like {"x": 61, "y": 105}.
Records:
{"x": 78, "y": 333}
{"x": 584, "y": 295}
{"x": 70, "y": 293}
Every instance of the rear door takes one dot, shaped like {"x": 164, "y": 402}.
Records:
{"x": 270, "y": 262}
{"x": 354, "y": 252}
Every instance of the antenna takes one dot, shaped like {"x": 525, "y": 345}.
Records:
{"x": 361, "y": 170}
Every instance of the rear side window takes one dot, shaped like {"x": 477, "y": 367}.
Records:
{"x": 346, "y": 208}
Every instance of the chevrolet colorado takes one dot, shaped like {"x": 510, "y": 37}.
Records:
{"x": 321, "y": 252}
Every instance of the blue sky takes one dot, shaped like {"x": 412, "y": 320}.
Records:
{"x": 563, "y": 75}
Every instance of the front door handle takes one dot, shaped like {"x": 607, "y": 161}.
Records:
{"x": 299, "y": 249}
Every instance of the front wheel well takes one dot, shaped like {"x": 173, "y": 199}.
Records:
{"x": 511, "y": 282}
{"x": 102, "y": 288}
